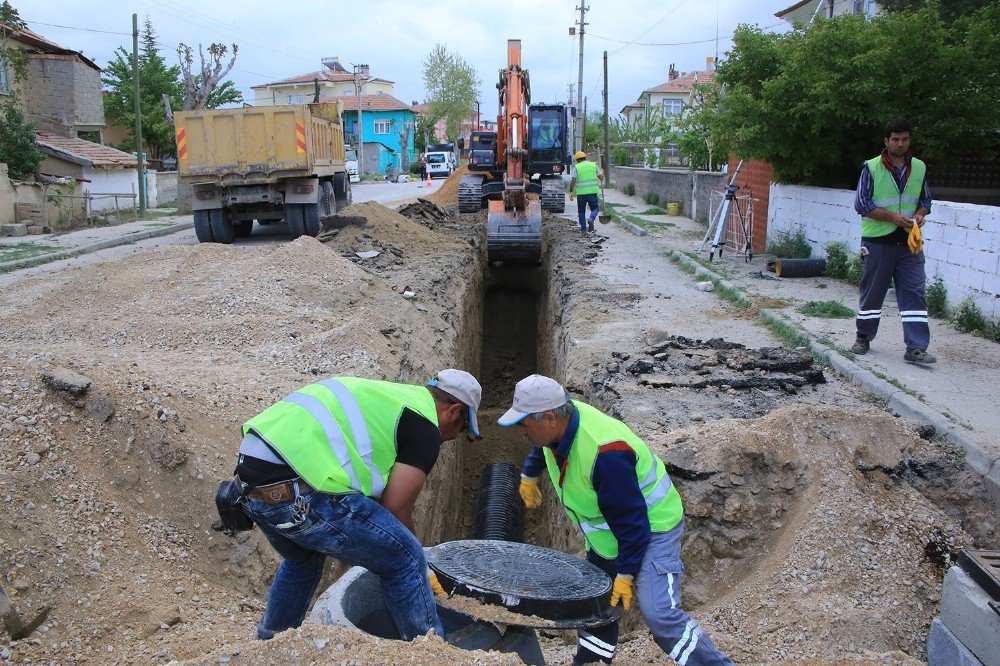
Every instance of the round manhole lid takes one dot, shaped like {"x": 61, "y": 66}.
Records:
{"x": 529, "y": 580}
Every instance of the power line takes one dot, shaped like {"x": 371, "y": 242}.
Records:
{"x": 70, "y": 27}
{"x": 700, "y": 41}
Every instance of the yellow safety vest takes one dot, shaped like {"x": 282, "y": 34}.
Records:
{"x": 886, "y": 195}
{"x": 586, "y": 178}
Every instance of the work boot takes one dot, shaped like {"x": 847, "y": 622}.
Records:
{"x": 590, "y": 225}
{"x": 860, "y": 346}
{"x": 919, "y": 356}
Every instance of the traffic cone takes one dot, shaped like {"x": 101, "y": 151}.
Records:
{"x": 429, "y": 183}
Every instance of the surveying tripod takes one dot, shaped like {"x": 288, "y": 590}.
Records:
{"x": 718, "y": 221}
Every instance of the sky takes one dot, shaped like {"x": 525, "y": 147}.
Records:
{"x": 281, "y": 39}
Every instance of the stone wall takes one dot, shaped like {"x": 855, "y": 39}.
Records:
{"x": 62, "y": 94}
{"x": 961, "y": 241}
{"x": 691, "y": 189}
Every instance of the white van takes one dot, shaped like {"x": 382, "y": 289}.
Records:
{"x": 351, "y": 159}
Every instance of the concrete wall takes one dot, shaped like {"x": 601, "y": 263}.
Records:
{"x": 961, "y": 241}
{"x": 691, "y": 189}
{"x": 111, "y": 181}
{"x": 166, "y": 186}
{"x": 63, "y": 95}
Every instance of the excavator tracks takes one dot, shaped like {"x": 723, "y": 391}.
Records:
{"x": 470, "y": 193}
{"x": 553, "y": 196}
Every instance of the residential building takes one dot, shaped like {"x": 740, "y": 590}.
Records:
{"x": 61, "y": 92}
{"x": 802, "y": 13}
{"x": 467, "y": 127}
{"x": 333, "y": 81}
{"x": 388, "y": 128}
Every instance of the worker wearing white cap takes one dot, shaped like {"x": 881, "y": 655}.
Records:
{"x": 334, "y": 470}
{"x": 619, "y": 494}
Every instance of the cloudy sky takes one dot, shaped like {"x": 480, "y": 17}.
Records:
{"x": 282, "y": 39}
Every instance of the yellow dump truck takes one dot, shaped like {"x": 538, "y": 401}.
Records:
{"x": 264, "y": 163}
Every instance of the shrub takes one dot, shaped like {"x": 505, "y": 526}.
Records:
{"x": 17, "y": 143}
{"x": 937, "y": 298}
{"x": 620, "y": 156}
{"x": 827, "y": 309}
{"x": 628, "y": 188}
{"x": 854, "y": 269}
{"x": 968, "y": 318}
{"x": 652, "y": 198}
{"x": 836, "y": 260}
{"x": 790, "y": 246}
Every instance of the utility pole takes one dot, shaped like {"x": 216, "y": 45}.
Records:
{"x": 138, "y": 114}
{"x": 583, "y": 123}
{"x": 579, "y": 79}
{"x": 607, "y": 144}
{"x": 360, "y": 72}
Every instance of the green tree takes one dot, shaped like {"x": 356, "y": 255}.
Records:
{"x": 206, "y": 88}
{"x": 17, "y": 143}
{"x": 950, "y": 10}
{"x": 13, "y": 58}
{"x": 452, "y": 88}
{"x": 155, "y": 81}
{"x": 813, "y": 102}
{"x": 701, "y": 139}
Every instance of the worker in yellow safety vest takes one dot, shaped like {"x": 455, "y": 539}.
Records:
{"x": 585, "y": 183}
{"x": 619, "y": 494}
{"x": 334, "y": 470}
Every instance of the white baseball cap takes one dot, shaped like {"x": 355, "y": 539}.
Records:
{"x": 461, "y": 385}
{"x": 533, "y": 394}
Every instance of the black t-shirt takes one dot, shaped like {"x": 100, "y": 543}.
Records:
{"x": 418, "y": 443}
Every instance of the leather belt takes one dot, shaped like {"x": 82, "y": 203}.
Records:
{"x": 276, "y": 493}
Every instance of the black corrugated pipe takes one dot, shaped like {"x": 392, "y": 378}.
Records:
{"x": 499, "y": 512}
{"x": 789, "y": 268}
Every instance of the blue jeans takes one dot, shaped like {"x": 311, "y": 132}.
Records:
{"x": 355, "y": 530}
{"x": 582, "y": 201}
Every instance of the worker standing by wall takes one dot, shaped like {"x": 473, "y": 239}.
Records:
{"x": 334, "y": 470}
{"x": 893, "y": 198}
{"x": 630, "y": 513}
{"x": 584, "y": 186}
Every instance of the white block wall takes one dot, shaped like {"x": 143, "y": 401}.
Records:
{"x": 961, "y": 241}
{"x": 111, "y": 181}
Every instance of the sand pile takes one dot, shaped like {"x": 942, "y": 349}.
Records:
{"x": 447, "y": 194}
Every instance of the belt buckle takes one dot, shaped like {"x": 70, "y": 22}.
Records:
{"x": 278, "y": 494}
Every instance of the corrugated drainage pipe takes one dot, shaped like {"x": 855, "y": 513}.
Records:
{"x": 790, "y": 268}
{"x": 499, "y": 512}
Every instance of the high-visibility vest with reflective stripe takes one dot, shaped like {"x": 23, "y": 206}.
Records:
{"x": 340, "y": 434}
{"x": 886, "y": 195}
{"x": 663, "y": 503}
{"x": 586, "y": 178}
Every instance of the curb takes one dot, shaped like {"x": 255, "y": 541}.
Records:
{"x": 127, "y": 239}
{"x": 898, "y": 400}
{"x": 631, "y": 226}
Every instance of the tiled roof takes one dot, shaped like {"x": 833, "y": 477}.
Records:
{"x": 683, "y": 83}
{"x": 420, "y": 108}
{"x": 370, "y": 103}
{"x": 81, "y": 151}
{"x": 323, "y": 75}
{"x": 44, "y": 46}
{"x": 634, "y": 105}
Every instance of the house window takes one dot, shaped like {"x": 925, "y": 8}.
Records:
{"x": 862, "y": 7}
{"x": 290, "y": 97}
{"x": 4, "y": 81}
{"x": 381, "y": 126}
{"x": 672, "y": 107}
{"x": 671, "y": 150}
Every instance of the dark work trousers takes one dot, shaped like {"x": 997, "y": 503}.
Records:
{"x": 885, "y": 262}
{"x": 599, "y": 643}
{"x": 582, "y": 201}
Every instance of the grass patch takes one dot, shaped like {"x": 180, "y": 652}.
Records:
{"x": 708, "y": 265}
{"x": 615, "y": 205}
{"x": 898, "y": 384}
{"x": 651, "y": 198}
{"x": 628, "y": 188}
{"x": 790, "y": 246}
{"x": 680, "y": 264}
{"x": 154, "y": 225}
{"x": 827, "y": 310}
{"x": 23, "y": 251}
{"x": 968, "y": 318}
{"x": 655, "y": 210}
{"x": 648, "y": 224}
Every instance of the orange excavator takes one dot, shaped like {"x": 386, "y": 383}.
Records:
{"x": 516, "y": 172}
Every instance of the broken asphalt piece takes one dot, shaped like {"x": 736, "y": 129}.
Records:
{"x": 67, "y": 381}
{"x": 424, "y": 211}
{"x": 370, "y": 254}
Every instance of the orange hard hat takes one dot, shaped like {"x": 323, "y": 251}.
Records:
{"x": 580, "y": 155}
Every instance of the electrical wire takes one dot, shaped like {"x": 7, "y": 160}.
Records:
{"x": 700, "y": 41}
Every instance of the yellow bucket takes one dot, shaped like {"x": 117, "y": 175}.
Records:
{"x": 673, "y": 208}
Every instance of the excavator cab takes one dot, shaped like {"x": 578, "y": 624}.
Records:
{"x": 547, "y": 149}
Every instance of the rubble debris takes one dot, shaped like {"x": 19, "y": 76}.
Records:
{"x": 425, "y": 211}
{"x": 67, "y": 381}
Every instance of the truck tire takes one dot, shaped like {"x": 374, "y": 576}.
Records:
{"x": 311, "y": 217}
{"x": 222, "y": 226}
{"x": 244, "y": 229}
{"x": 203, "y": 226}
{"x": 327, "y": 201}
{"x": 342, "y": 190}
{"x": 295, "y": 219}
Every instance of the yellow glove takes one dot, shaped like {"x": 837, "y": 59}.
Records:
{"x": 435, "y": 585}
{"x": 572, "y": 196}
{"x": 624, "y": 589}
{"x": 530, "y": 492}
{"x": 915, "y": 239}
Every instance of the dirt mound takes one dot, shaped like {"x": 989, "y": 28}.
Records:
{"x": 383, "y": 225}
{"x": 447, "y": 194}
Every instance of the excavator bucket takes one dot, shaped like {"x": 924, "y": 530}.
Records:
{"x": 514, "y": 235}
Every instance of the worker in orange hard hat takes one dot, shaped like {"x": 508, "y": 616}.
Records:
{"x": 585, "y": 183}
